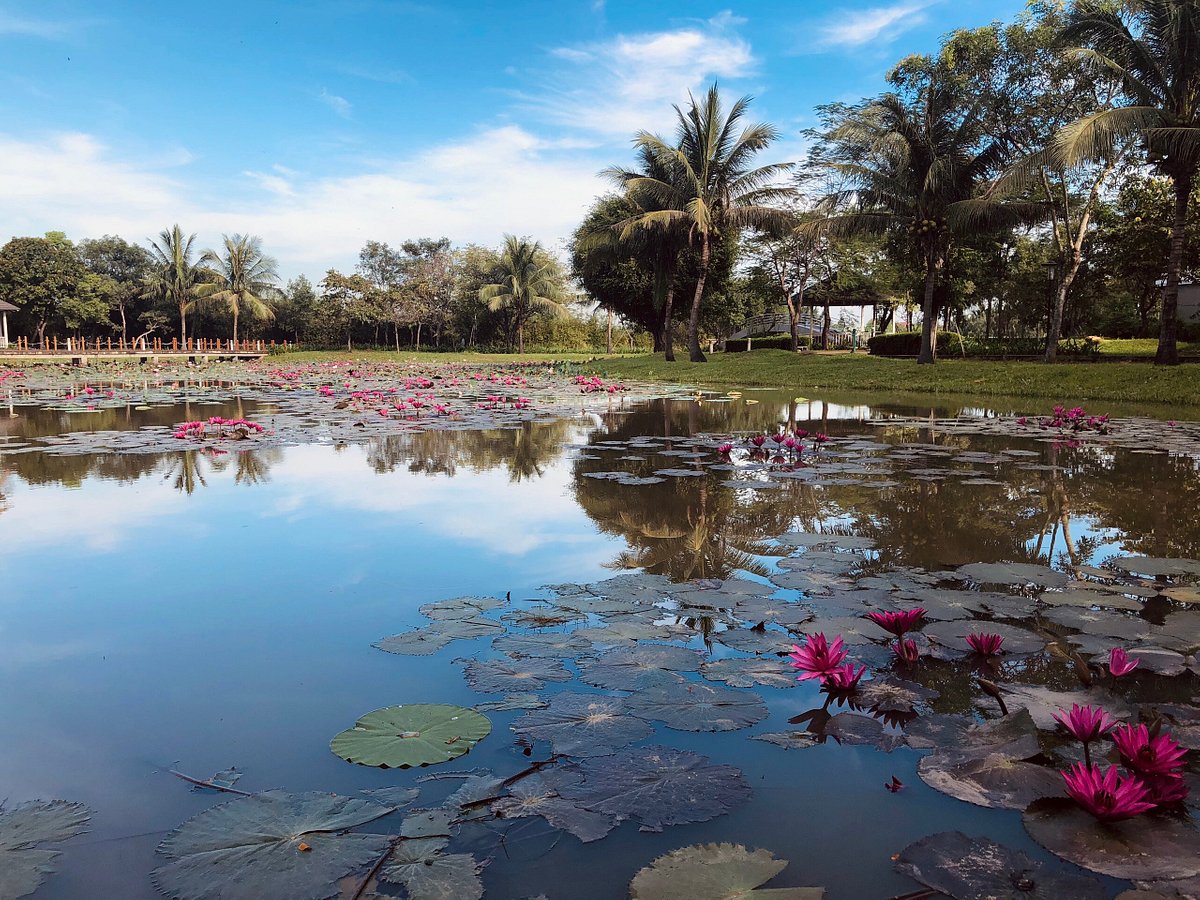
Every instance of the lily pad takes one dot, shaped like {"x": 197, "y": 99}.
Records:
{"x": 249, "y": 848}
{"x": 539, "y": 795}
{"x": 23, "y": 864}
{"x": 714, "y": 872}
{"x": 657, "y": 786}
{"x": 979, "y": 869}
{"x": 640, "y": 667}
{"x": 789, "y": 740}
{"x": 998, "y": 777}
{"x": 548, "y": 645}
{"x": 459, "y": 607}
{"x": 1146, "y": 847}
{"x": 505, "y": 674}
{"x": 1014, "y": 574}
{"x": 429, "y": 874}
{"x": 744, "y": 672}
{"x": 418, "y": 734}
{"x": 512, "y": 701}
{"x": 691, "y": 706}
{"x": 953, "y": 636}
{"x": 1156, "y": 567}
{"x": 582, "y": 725}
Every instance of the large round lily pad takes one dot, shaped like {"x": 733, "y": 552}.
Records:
{"x": 714, "y": 872}
{"x": 583, "y": 725}
{"x": 978, "y": 869}
{"x": 418, "y": 734}
{"x": 1145, "y": 847}
{"x": 23, "y": 864}
{"x": 250, "y": 848}
{"x": 691, "y": 706}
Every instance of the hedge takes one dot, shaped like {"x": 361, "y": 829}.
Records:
{"x": 908, "y": 343}
{"x": 774, "y": 342}
{"x": 949, "y": 343}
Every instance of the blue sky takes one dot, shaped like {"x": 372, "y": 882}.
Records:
{"x": 318, "y": 124}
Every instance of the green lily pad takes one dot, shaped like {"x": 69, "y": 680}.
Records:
{"x": 715, "y": 872}
{"x": 23, "y": 865}
{"x": 418, "y": 734}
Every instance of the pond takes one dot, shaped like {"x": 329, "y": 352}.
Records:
{"x": 198, "y": 604}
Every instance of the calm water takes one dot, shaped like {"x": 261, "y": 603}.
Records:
{"x": 200, "y": 611}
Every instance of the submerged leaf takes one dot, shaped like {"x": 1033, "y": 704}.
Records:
{"x": 248, "y": 848}
{"x": 657, "y": 786}
{"x": 418, "y": 734}
{"x": 979, "y": 869}
{"x": 714, "y": 872}
{"x": 23, "y": 864}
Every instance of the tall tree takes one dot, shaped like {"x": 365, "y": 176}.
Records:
{"x": 243, "y": 279}
{"x": 43, "y": 276}
{"x": 914, "y": 165}
{"x": 1152, "y": 47}
{"x": 175, "y": 275}
{"x": 126, "y": 265}
{"x": 708, "y": 184}
{"x": 526, "y": 279}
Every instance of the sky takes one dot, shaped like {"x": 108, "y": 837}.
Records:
{"x": 321, "y": 124}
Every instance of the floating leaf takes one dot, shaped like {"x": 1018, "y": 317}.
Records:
{"x": 499, "y": 676}
{"x": 418, "y": 734}
{"x": 979, "y": 869}
{"x": 637, "y": 668}
{"x": 714, "y": 872}
{"x": 513, "y": 701}
{"x": 459, "y": 607}
{"x": 1014, "y": 574}
{"x": 992, "y": 774}
{"x": 552, "y": 645}
{"x": 248, "y": 848}
{"x": 1145, "y": 847}
{"x": 418, "y": 642}
{"x": 657, "y": 786}
{"x": 1156, "y": 567}
{"x": 23, "y": 865}
{"x": 744, "y": 672}
{"x": 428, "y": 874}
{"x": 789, "y": 740}
{"x": 691, "y": 706}
{"x": 953, "y": 636}
{"x": 539, "y": 795}
{"x": 583, "y": 725}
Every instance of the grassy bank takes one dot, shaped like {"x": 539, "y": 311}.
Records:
{"x": 1135, "y": 382}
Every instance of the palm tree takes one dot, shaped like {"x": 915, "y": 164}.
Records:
{"x": 243, "y": 279}
{"x": 914, "y": 167}
{"x": 525, "y": 279}
{"x": 706, "y": 184}
{"x": 1152, "y": 48}
{"x": 657, "y": 237}
{"x": 175, "y": 276}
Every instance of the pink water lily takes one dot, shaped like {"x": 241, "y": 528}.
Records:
{"x": 1085, "y": 723}
{"x": 898, "y": 623}
{"x": 1166, "y": 790}
{"x": 1107, "y": 796}
{"x": 725, "y": 449}
{"x": 817, "y": 658}
{"x": 1120, "y": 663}
{"x": 1157, "y": 755}
{"x": 844, "y": 678}
{"x": 985, "y": 644}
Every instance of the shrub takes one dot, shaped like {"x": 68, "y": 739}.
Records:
{"x": 908, "y": 343}
{"x": 774, "y": 342}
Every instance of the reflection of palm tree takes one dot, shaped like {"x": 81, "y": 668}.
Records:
{"x": 4, "y": 503}
{"x": 187, "y": 471}
{"x": 254, "y": 466}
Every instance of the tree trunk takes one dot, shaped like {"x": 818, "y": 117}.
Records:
{"x": 668, "y": 339}
{"x": 928, "y": 311}
{"x": 794, "y": 307}
{"x": 418, "y": 337}
{"x": 182, "y": 325}
{"x": 1054, "y": 331}
{"x": 1168, "y": 352}
{"x": 695, "y": 354}
{"x": 124, "y": 327}
{"x": 41, "y": 332}
{"x": 520, "y": 337}
{"x": 235, "y": 318}
{"x": 608, "y": 337}
{"x": 987, "y": 319}
{"x": 825, "y": 323}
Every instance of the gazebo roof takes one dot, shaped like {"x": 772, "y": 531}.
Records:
{"x": 5, "y": 306}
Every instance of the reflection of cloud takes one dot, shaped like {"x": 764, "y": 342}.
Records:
{"x": 98, "y": 519}
{"x": 487, "y": 508}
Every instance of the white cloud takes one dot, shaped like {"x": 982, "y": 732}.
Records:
{"x": 339, "y": 105}
{"x": 48, "y": 29}
{"x": 880, "y": 24}
{"x": 615, "y": 88}
{"x": 474, "y": 189}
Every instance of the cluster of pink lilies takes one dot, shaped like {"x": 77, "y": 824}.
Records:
{"x": 1153, "y": 764}
{"x": 87, "y": 392}
{"x": 217, "y": 428}
{"x": 778, "y": 447}
{"x": 1074, "y": 420}
{"x": 594, "y": 384}
{"x": 10, "y": 373}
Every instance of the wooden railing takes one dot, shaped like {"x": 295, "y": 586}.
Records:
{"x": 144, "y": 345}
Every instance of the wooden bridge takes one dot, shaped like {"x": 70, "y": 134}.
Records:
{"x": 82, "y": 351}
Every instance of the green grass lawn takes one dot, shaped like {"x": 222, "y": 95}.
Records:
{"x": 1146, "y": 347}
{"x": 1134, "y": 382}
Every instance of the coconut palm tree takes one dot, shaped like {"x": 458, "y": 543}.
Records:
{"x": 241, "y": 278}
{"x": 914, "y": 166}
{"x": 175, "y": 275}
{"x": 706, "y": 185}
{"x": 525, "y": 279}
{"x": 1152, "y": 47}
{"x": 658, "y": 238}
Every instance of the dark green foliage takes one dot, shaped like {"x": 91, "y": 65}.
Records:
{"x": 774, "y": 342}
{"x": 908, "y": 343}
